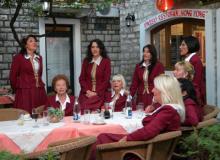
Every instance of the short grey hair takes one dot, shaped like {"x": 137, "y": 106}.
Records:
{"x": 120, "y": 78}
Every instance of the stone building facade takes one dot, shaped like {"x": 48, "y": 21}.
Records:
{"x": 105, "y": 29}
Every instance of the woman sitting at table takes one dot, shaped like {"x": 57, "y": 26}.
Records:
{"x": 165, "y": 118}
{"x": 117, "y": 97}
{"x": 61, "y": 99}
{"x": 95, "y": 76}
{"x": 194, "y": 112}
{"x": 184, "y": 69}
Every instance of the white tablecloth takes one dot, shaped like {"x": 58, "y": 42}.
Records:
{"x": 25, "y": 136}
{"x": 28, "y": 138}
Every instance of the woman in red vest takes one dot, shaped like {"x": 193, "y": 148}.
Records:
{"x": 118, "y": 95}
{"x": 194, "y": 112}
{"x": 188, "y": 48}
{"x": 144, "y": 74}
{"x": 95, "y": 76}
{"x": 61, "y": 100}
{"x": 25, "y": 76}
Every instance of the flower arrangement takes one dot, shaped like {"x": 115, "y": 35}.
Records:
{"x": 55, "y": 114}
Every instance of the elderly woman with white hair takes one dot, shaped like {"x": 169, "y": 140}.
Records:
{"x": 167, "y": 117}
{"x": 118, "y": 95}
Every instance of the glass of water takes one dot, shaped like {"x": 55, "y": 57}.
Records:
{"x": 86, "y": 116}
{"x": 140, "y": 110}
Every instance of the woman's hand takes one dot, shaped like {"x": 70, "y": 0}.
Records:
{"x": 124, "y": 139}
{"x": 149, "y": 109}
{"x": 90, "y": 93}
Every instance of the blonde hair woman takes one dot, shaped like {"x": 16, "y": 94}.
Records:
{"x": 118, "y": 95}
{"x": 167, "y": 117}
{"x": 170, "y": 93}
{"x": 184, "y": 69}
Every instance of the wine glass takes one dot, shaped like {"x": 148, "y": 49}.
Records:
{"x": 35, "y": 115}
{"x": 45, "y": 118}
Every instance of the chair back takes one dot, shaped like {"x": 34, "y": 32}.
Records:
{"x": 210, "y": 112}
{"x": 71, "y": 149}
{"x": 159, "y": 148}
{"x": 209, "y": 118}
{"x": 7, "y": 114}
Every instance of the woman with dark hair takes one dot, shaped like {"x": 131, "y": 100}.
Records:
{"x": 95, "y": 76}
{"x": 144, "y": 75}
{"x": 188, "y": 48}
{"x": 62, "y": 100}
{"x": 194, "y": 111}
{"x": 25, "y": 76}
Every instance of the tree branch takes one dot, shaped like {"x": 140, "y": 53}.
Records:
{"x": 19, "y": 5}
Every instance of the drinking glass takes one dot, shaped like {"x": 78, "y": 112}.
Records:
{"x": 86, "y": 115}
{"x": 35, "y": 117}
{"x": 45, "y": 118}
{"x": 140, "y": 110}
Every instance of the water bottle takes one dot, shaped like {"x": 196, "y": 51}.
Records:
{"x": 76, "y": 110}
{"x": 106, "y": 112}
{"x": 128, "y": 107}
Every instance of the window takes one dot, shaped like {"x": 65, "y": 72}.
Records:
{"x": 167, "y": 38}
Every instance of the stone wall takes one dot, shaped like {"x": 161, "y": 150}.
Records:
{"x": 130, "y": 45}
{"x": 107, "y": 30}
{"x": 25, "y": 24}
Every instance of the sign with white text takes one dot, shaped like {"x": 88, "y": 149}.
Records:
{"x": 186, "y": 13}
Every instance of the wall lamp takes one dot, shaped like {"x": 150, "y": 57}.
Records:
{"x": 129, "y": 19}
{"x": 46, "y": 6}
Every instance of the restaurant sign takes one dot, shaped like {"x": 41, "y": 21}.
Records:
{"x": 186, "y": 13}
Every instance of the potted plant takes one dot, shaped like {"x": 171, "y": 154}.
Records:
{"x": 201, "y": 144}
{"x": 55, "y": 114}
{"x": 9, "y": 156}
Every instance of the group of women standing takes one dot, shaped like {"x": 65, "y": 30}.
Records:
{"x": 161, "y": 95}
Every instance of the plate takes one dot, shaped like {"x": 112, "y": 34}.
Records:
{"x": 28, "y": 119}
{"x": 76, "y": 121}
{"x": 99, "y": 123}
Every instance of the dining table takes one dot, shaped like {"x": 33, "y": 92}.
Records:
{"x": 6, "y": 99}
{"x": 19, "y": 137}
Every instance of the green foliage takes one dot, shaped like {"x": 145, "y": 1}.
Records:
{"x": 50, "y": 156}
{"x": 203, "y": 144}
{"x": 4, "y": 155}
{"x": 55, "y": 112}
{"x": 37, "y": 9}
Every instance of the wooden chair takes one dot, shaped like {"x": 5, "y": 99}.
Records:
{"x": 72, "y": 149}
{"x": 157, "y": 148}
{"x": 7, "y": 114}
{"x": 210, "y": 112}
{"x": 209, "y": 118}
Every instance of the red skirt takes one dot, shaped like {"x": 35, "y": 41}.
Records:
{"x": 144, "y": 98}
{"x": 92, "y": 103}
{"x": 28, "y": 98}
